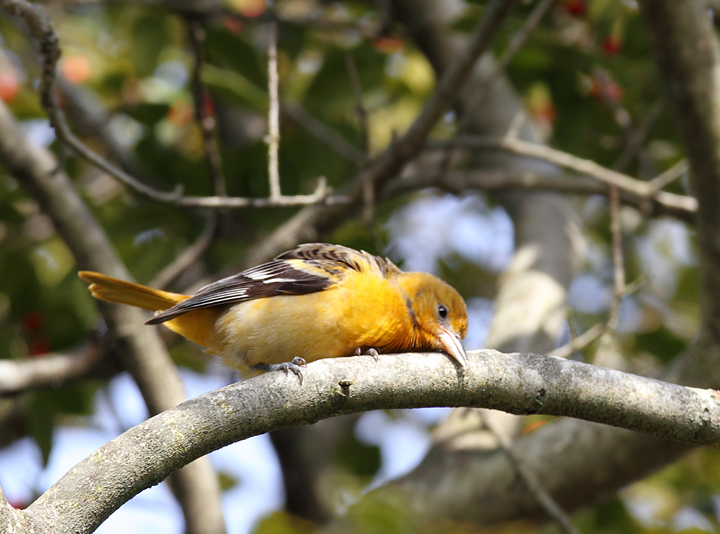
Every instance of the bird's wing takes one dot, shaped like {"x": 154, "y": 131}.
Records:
{"x": 332, "y": 257}
{"x": 306, "y": 269}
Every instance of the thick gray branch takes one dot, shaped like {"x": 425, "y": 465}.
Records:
{"x": 49, "y": 370}
{"x": 685, "y": 46}
{"x": 517, "y": 383}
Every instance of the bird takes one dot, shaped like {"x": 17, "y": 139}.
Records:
{"x": 315, "y": 301}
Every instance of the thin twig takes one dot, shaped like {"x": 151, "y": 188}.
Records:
{"x": 189, "y": 256}
{"x": 670, "y": 175}
{"x": 563, "y": 159}
{"x": 637, "y": 138}
{"x": 532, "y": 483}
{"x": 618, "y": 263}
{"x": 360, "y": 110}
{"x": 579, "y": 342}
{"x": 324, "y": 133}
{"x": 273, "y": 138}
{"x": 203, "y": 115}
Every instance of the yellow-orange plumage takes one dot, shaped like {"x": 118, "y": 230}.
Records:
{"x": 316, "y": 301}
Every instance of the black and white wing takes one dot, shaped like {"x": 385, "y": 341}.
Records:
{"x": 306, "y": 269}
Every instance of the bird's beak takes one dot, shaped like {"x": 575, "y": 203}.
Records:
{"x": 452, "y": 345}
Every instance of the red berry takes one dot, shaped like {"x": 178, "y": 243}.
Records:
{"x": 233, "y": 24}
{"x": 611, "y": 45}
{"x": 9, "y": 86}
{"x": 76, "y": 68}
{"x": 605, "y": 90}
{"x": 33, "y": 321}
{"x": 575, "y": 8}
{"x": 250, "y": 8}
{"x": 208, "y": 105}
{"x": 39, "y": 346}
{"x": 388, "y": 45}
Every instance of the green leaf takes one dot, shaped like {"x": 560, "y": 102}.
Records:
{"x": 661, "y": 343}
{"x": 358, "y": 457}
{"x": 41, "y": 414}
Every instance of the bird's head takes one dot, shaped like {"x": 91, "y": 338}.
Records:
{"x": 438, "y": 314}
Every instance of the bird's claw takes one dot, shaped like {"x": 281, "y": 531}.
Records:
{"x": 372, "y": 351}
{"x": 293, "y": 366}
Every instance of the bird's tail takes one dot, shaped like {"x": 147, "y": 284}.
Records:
{"x": 111, "y": 289}
{"x": 196, "y": 325}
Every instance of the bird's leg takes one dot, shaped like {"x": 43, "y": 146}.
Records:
{"x": 372, "y": 351}
{"x": 293, "y": 366}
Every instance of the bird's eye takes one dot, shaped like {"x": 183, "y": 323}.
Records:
{"x": 442, "y": 311}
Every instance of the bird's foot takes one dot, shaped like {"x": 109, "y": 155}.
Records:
{"x": 293, "y": 366}
{"x": 372, "y": 351}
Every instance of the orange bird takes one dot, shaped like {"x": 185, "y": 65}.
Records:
{"x": 318, "y": 301}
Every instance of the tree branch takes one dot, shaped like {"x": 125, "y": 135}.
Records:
{"x": 517, "y": 383}
{"x": 48, "y": 370}
{"x": 203, "y": 115}
{"x": 531, "y": 481}
{"x": 582, "y": 166}
{"x": 680, "y": 207}
{"x": 685, "y": 46}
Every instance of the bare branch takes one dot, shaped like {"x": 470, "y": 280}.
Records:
{"x": 580, "y": 341}
{"x": 360, "y": 110}
{"x": 203, "y": 115}
{"x": 582, "y": 166}
{"x": 47, "y": 370}
{"x": 617, "y": 257}
{"x": 670, "y": 175}
{"x": 457, "y": 181}
{"x": 273, "y": 138}
{"x": 521, "y": 384}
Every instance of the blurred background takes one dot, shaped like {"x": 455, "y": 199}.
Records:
{"x": 353, "y": 77}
